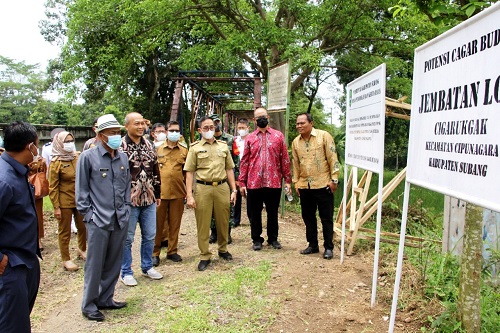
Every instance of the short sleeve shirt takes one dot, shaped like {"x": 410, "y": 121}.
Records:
{"x": 209, "y": 161}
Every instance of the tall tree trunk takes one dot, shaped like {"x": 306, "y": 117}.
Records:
{"x": 469, "y": 296}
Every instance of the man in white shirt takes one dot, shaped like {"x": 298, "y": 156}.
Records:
{"x": 243, "y": 128}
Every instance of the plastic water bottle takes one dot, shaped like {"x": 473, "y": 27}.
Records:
{"x": 288, "y": 194}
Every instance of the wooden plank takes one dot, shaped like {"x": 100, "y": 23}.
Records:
{"x": 391, "y": 241}
{"x": 395, "y": 235}
{"x": 364, "y": 194}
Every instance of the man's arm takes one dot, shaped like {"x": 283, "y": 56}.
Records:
{"x": 189, "y": 189}
{"x": 332, "y": 159}
{"x": 82, "y": 188}
{"x": 232, "y": 185}
{"x": 296, "y": 166}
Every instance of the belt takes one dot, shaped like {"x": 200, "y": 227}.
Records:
{"x": 211, "y": 183}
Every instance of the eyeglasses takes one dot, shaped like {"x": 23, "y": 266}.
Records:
{"x": 174, "y": 131}
{"x": 69, "y": 141}
{"x": 160, "y": 131}
{"x": 261, "y": 117}
{"x": 208, "y": 128}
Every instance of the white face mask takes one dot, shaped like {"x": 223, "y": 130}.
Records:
{"x": 174, "y": 136}
{"x": 243, "y": 132}
{"x": 69, "y": 147}
{"x": 161, "y": 137}
{"x": 37, "y": 156}
{"x": 158, "y": 143}
{"x": 208, "y": 135}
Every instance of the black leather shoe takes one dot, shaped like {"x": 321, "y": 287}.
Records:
{"x": 226, "y": 255}
{"x": 113, "y": 306}
{"x": 213, "y": 236}
{"x": 257, "y": 246}
{"x": 310, "y": 250}
{"x": 174, "y": 257}
{"x": 275, "y": 244}
{"x": 156, "y": 261}
{"x": 328, "y": 254}
{"x": 164, "y": 243}
{"x": 96, "y": 315}
{"x": 203, "y": 264}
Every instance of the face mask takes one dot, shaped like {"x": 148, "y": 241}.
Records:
{"x": 35, "y": 157}
{"x": 114, "y": 141}
{"x": 217, "y": 128}
{"x": 158, "y": 143}
{"x": 174, "y": 136}
{"x": 243, "y": 132}
{"x": 262, "y": 122}
{"x": 208, "y": 135}
{"x": 161, "y": 136}
{"x": 69, "y": 147}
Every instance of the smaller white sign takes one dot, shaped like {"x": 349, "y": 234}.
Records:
{"x": 365, "y": 121}
{"x": 277, "y": 95}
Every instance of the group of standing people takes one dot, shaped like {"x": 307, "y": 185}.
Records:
{"x": 124, "y": 181}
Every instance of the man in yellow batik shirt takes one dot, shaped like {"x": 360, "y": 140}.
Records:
{"x": 315, "y": 178}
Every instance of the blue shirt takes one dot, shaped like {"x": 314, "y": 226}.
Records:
{"x": 103, "y": 187}
{"x": 18, "y": 221}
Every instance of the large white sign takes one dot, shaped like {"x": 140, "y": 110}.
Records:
{"x": 365, "y": 121}
{"x": 455, "y": 116}
{"x": 277, "y": 95}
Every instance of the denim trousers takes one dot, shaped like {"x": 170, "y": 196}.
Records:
{"x": 146, "y": 217}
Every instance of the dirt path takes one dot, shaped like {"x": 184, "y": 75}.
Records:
{"x": 316, "y": 295}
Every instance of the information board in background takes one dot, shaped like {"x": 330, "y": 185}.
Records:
{"x": 365, "y": 121}
{"x": 455, "y": 117}
{"x": 277, "y": 95}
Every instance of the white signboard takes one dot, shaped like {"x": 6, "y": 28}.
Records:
{"x": 455, "y": 116}
{"x": 365, "y": 121}
{"x": 277, "y": 96}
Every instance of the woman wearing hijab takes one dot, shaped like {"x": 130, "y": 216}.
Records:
{"x": 62, "y": 172}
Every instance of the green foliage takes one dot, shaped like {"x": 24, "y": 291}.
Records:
{"x": 444, "y": 14}
{"x": 21, "y": 87}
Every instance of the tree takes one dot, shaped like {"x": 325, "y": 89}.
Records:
{"x": 21, "y": 88}
{"x": 133, "y": 48}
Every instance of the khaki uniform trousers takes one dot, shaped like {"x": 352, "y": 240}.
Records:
{"x": 212, "y": 200}
{"x": 64, "y": 232}
{"x": 168, "y": 224}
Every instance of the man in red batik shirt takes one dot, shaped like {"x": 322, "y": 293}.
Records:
{"x": 262, "y": 168}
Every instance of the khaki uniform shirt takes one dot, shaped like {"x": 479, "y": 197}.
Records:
{"x": 315, "y": 162}
{"x": 62, "y": 183}
{"x": 209, "y": 161}
{"x": 171, "y": 161}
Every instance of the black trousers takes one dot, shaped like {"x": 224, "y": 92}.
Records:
{"x": 237, "y": 210}
{"x": 255, "y": 202}
{"x": 18, "y": 290}
{"x": 321, "y": 200}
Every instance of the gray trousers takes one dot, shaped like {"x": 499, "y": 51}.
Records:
{"x": 102, "y": 268}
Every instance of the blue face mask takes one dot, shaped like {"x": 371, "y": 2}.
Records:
{"x": 174, "y": 136}
{"x": 114, "y": 141}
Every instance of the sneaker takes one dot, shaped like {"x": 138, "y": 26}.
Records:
{"x": 153, "y": 274}
{"x": 129, "y": 280}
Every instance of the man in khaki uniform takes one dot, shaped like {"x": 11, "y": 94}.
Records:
{"x": 213, "y": 164}
{"x": 171, "y": 158}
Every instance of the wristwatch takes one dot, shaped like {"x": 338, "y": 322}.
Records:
{"x": 235, "y": 191}
{"x": 335, "y": 181}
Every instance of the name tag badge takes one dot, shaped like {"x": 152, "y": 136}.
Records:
{"x": 103, "y": 170}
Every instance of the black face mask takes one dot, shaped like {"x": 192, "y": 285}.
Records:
{"x": 262, "y": 122}
{"x": 217, "y": 128}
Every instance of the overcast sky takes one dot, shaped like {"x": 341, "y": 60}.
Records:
{"x": 20, "y": 37}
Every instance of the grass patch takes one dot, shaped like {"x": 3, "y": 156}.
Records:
{"x": 222, "y": 301}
